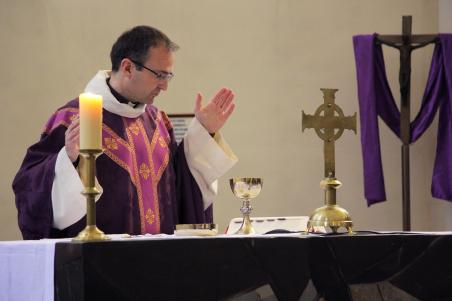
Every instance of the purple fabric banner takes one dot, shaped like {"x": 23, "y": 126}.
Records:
{"x": 376, "y": 99}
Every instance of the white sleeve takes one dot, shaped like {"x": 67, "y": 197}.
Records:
{"x": 208, "y": 159}
{"x": 68, "y": 204}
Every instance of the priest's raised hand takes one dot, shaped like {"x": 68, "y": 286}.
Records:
{"x": 71, "y": 139}
{"x": 215, "y": 114}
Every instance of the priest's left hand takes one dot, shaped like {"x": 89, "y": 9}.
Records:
{"x": 215, "y": 114}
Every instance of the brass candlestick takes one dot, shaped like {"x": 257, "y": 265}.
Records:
{"x": 246, "y": 189}
{"x": 88, "y": 176}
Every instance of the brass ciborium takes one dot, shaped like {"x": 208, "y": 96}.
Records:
{"x": 246, "y": 189}
{"x": 87, "y": 170}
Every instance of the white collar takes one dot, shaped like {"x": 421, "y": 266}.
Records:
{"x": 98, "y": 85}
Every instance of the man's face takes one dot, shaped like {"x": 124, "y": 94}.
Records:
{"x": 145, "y": 84}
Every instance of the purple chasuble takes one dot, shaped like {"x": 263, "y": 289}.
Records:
{"x": 376, "y": 99}
{"x": 148, "y": 187}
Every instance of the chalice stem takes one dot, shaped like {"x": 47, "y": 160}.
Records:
{"x": 246, "y": 227}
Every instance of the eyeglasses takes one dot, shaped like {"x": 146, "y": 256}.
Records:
{"x": 166, "y": 76}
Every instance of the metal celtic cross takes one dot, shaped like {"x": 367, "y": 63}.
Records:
{"x": 329, "y": 123}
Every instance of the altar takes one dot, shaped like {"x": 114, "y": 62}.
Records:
{"x": 162, "y": 267}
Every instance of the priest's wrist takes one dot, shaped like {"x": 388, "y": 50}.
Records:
{"x": 76, "y": 162}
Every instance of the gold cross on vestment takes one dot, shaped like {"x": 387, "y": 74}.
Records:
{"x": 329, "y": 123}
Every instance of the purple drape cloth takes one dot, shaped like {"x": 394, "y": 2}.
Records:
{"x": 376, "y": 99}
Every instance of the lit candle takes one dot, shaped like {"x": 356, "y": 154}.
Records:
{"x": 90, "y": 121}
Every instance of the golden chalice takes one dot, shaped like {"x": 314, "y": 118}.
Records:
{"x": 246, "y": 189}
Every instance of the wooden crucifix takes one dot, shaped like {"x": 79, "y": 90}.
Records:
{"x": 406, "y": 43}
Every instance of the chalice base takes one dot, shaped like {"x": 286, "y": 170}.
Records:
{"x": 331, "y": 216}
{"x": 90, "y": 233}
{"x": 245, "y": 229}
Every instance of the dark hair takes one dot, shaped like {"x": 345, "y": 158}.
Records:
{"x": 135, "y": 43}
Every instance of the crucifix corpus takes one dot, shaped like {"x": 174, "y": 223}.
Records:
{"x": 329, "y": 123}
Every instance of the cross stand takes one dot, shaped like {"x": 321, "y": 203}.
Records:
{"x": 329, "y": 123}
{"x": 406, "y": 43}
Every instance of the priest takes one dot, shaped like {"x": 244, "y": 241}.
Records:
{"x": 148, "y": 183}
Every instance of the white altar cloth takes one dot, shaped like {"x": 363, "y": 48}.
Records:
{"x": 26, "y": 270}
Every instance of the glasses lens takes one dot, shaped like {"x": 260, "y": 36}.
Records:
{"x": 167, "y": 76}
{"x": 158, "y": 75}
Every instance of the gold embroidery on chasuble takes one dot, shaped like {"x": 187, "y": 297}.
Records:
{"x": 161, "y": 139}
{"x": 111, "y": 143}
{"x": 111, "y": 148}
{"x": 144, "y": 171}
{"x": 73, "y": 117}
{"x": 162, "y": 142}
{"x": 134, "y": 128}
{"x": 145, "y": 158}
{"x": 148, "y": 167}
{"x": 150, "y": 216}
{"x": 134, "y": 174}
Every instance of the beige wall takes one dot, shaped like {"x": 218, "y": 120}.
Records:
{"x": 274, "y": 54}
{"x": 445, "y": 13}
